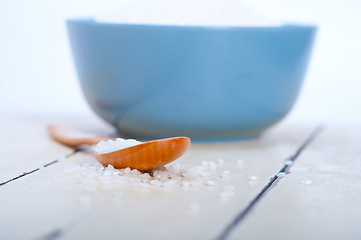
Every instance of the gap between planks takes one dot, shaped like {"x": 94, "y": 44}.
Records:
{"x": 272, "y": 183}
{"x": 37, "y": 169}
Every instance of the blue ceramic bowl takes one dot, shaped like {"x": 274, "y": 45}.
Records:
{"x": 202, "y": 82}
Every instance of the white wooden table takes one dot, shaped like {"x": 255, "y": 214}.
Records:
{"x": 38, "y": 208}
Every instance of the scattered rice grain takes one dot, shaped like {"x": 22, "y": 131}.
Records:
{"x": 86, "y": 165}
{"x": 61, "y": 158}
{"x": 135, "y": 172}
{"x": 205, "y": 163}
{"x": 211, "y": 183}
{"x": 93, "y": 168}
{"x": 224, "y": 175}
{"x": 192, "y": 170}
{"x": 224, "y": 194}
{"x": 155, "y": 182}
{"x": 194, "y": 183}
{"x": 134, "y": 180}
{"x": 307, "y": 182}
{"x": 288, "y": 162}
{"x": 220, "y": 161}
{"x": 185, "y": 183}
{"x": 119, "y": 181}
{"x": 110, "y": 167}
{"x": 281, "y": 174}
{"x": 253, "y": 178}
{"x": 199, "y": 179}
{"x": 212, "y": 165}
{"x": 166, "y": 184}
{"x": 206, "y": 174}
{"x": 311, "y": 175}
{"x": 105, "y": 182}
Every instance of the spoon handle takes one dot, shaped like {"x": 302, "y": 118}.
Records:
{"x": 73, "y": 138}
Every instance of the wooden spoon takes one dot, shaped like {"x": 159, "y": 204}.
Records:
{"x": 148, "y": 155}
{"x": 73, "y": 138}
{"x": 144, "y": 156}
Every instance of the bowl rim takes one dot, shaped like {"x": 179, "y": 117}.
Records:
{"x": 286, "y": 25}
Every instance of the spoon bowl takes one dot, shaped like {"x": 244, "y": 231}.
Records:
{"x": 148, "y": 155}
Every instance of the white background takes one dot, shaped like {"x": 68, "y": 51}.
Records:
{"x": 37, "y": 75}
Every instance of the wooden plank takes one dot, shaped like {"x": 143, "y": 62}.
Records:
{"x": 329, "y": 208}
{"x": 27, "y": 146}
{"x": 153, "y": 213}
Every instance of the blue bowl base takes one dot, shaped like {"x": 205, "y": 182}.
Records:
{"x": 220, "y": 138}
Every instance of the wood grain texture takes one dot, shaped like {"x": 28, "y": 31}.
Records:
{"x": 25, "y": 145}
{"x": 329, "y": 208}
{"x": 33, "y": 206}
{"x": 148, "y": 155}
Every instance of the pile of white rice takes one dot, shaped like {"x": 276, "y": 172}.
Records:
{"x": 111, "y": 146}
{"x": 163, "y": 177}
{"x": 187, "y": 13}
{"x": 94, "y": 173}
